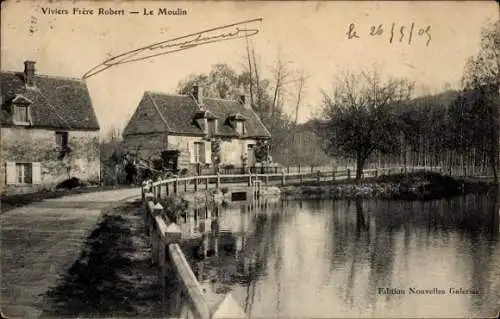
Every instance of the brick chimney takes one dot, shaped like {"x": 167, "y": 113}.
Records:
{"x": 244, "y": 101}
{"x": 198, "y": 94}
{"x": 29, "y": 73}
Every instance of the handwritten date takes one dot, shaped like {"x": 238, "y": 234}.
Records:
{"x": 395, "y": 32}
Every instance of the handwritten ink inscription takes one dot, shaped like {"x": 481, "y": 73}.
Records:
{"x": 394, "y": 32}
{"x": 232, "y": 31}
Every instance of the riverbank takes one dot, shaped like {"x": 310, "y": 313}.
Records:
{"x": 410, "y": 186}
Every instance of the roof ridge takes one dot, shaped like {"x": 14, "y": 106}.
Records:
{"x": 190, "y": 95}
{"x": 48, "y": 76}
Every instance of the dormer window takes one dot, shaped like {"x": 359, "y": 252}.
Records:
{"x": 21, "y": 110}
{"x": 237, "y": 121}
{"x": 240, "y": 127}
{"x": 206, "y": 121}
{"x": 212, "y": 127}
{"x": 21, "y": 114}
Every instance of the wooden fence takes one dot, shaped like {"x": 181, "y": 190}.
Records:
{"x": 167, "y": 255}
{"x": 171, "y": 186}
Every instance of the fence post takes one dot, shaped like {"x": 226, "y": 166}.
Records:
{"x": 176, "y": 185}
{"x": 155, "y": 234}
{"x": 300, "y": 177}
{"x": 376, "y": 172}
{"x": 250, "y": 179}
{"x": 288, "y": 168}
{"x": 185, "y": 185}
{"x": 402, "y": 170}
{"x": 312, "y": 169}
{"x": 167, "y": 189}
{"x": 206, "y": 183}
{"x": 217, "y": 185}
{"x": 196, "y": 184}
{"x": 283, "y": 178}
{"x": 318, "y": 176}
{"x": 348, "y": 173}
{"x": 333, "y": 175}
{"x": 267, "y": 179}
{"x": 172, "y": 236}
{"x": 299, "y": 168}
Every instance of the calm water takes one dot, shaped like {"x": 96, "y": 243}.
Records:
{"x": 329, "y": 258}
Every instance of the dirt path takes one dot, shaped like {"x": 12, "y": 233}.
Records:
{"x": 113, "y": 276}
{"x": 39, "y": 242}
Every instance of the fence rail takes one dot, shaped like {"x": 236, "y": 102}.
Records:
{"x": 192, "y": 302}
{"x": 170, "y": 186}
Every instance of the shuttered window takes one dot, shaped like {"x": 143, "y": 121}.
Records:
{"x": 199, "y": 152}
{"x": 22, "y": 173}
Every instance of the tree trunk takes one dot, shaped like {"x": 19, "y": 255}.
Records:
{"x": 360, "y": 163}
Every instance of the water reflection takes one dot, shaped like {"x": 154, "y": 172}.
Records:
{"x": 331, "y": 258}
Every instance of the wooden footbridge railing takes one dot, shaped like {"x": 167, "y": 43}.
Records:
{"x": 171, "y": 186}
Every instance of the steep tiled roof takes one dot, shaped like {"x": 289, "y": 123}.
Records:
{"x": 177, "y": 112}
{"x": 58, "y": 102}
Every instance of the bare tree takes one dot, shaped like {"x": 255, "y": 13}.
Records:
{"x": 481, "y": 81}
{"x": 301, "y": 86}
{"x": 358, "y": 118}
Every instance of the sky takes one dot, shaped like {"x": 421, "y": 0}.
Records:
{"x": 311, "y": 35}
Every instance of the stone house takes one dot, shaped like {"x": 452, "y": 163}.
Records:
{"x": 190, "y": 126}
{"x": 49, "y": 131}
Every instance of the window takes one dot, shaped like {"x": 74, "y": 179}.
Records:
{"x": 62, "y": 139}
{"x": 240, "y": 127}
{"x": 23, "y": 173}
{"x": 199, "y": 152}
{"x": 212, "y": 127}
{"x": 21, "y": 114}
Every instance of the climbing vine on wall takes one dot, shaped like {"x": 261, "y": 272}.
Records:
{"x": 261, "y": 151}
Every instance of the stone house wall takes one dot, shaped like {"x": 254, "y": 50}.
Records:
{"x": 38, "y": 148}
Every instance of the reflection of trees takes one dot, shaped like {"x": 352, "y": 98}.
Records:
{"x": 483, "y": 244}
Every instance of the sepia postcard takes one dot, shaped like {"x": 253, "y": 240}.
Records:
{"x": 249, "y": 159}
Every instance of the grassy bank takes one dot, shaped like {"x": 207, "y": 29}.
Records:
{"x": 411, "y": 186}
{"x": 113, "y": 275}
